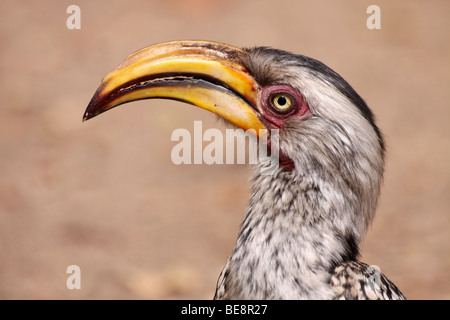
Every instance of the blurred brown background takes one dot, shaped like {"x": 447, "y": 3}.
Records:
{"x": 105, "y": 195}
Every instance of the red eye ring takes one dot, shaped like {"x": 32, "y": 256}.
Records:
{"x": 291, "y": 98}
{"x": 292, "y": 104}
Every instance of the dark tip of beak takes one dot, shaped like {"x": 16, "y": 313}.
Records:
{"x": 94, "y": 107}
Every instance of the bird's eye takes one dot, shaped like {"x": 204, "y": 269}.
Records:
{"x": 282, "y": 102}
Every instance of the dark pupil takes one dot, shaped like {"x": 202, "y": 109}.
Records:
{"x": 281, "y": 101}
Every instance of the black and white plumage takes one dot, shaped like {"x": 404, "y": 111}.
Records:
{"x": 304, "y": 222}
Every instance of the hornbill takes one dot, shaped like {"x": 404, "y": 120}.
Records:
{"x": 300, "y": 235}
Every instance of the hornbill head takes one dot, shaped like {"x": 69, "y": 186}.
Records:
{"x": 324, "y": 124}
{"x": 331, "y": 152}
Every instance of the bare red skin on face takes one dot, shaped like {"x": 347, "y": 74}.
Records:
{"x": 274, "y": 118}
{"x": 277, "y": 118}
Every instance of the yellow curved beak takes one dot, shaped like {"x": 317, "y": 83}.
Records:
{"x": 209, "y": 75}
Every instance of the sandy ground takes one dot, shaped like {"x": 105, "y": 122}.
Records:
{"x": 104, "y": 195}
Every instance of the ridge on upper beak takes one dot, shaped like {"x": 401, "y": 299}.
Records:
{"x": 209, "y": 75}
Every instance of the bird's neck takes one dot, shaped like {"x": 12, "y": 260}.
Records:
{"x": 297, "y": 227}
